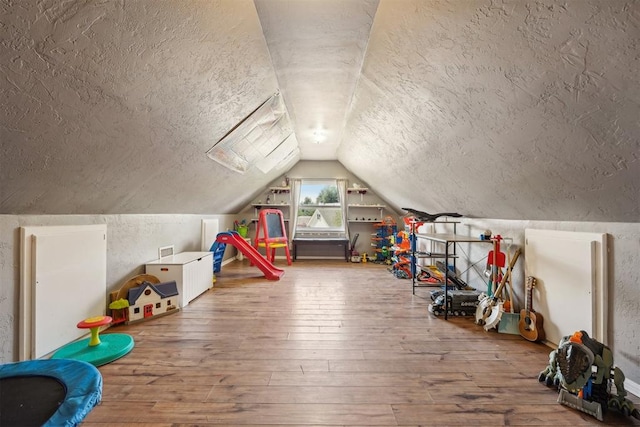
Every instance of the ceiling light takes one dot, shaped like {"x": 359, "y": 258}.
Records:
{"x": 319, "y": 136}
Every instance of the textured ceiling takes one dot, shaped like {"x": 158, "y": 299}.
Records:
{"x": 503, "y": 109}
{"x": 317, "y": 48}
{"x": 498, "y": 109}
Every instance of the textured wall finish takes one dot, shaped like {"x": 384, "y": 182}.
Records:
{"x": 109, "y": 107}
{"x": 513, "y": 109}
{"x": 134, "y": 239}
{"x": 502, "y": 109}
{"x": 624, "y": 276}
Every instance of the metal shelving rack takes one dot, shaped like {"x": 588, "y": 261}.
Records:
{"x": 449, "y": 241}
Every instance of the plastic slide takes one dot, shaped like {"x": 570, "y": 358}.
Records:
{"x": 218, "y": 252}
{"x": 270, "y": 271}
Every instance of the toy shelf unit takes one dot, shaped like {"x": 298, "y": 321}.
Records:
{"x": 442, "y": 246}
{"x": 428, "y": 250}
{"x": 192, "y": 271}
{"x": 383, "y": 239}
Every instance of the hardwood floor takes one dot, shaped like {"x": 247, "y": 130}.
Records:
{"x": 330, "y": 344}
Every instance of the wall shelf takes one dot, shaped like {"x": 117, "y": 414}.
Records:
{"x": 358, "y": 190}
{"x": 361, "y": 191}
{"x": 279, "y": 190}
{"x": 277, "y": 197}
{"x": 258, "y": 206}
{"x": 364, "y": 212}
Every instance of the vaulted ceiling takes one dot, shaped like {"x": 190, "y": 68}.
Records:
{"x": 510, "y": 109}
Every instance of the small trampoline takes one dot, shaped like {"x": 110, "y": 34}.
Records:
{"x": 48, "y": 392}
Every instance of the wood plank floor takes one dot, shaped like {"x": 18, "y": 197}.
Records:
{"x": 330, "y": 344}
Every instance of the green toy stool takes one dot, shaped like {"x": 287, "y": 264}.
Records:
{"x": 97, "y": 350}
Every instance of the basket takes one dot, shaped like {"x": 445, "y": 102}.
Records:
{"x": 243, "y": 230}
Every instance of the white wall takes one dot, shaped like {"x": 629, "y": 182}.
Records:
{"x": 132, "y": 240}
{"x": 624, "y": 277}
{"x": 310, "y": 169}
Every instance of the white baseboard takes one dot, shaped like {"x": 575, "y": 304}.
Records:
{"x": 227, "y": 261}
{"x": 631, "y": 387}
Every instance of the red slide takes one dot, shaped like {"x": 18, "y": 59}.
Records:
{"x": 270, "y": 271}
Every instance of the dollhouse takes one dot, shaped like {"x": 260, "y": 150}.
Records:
{"x": 151, "y": 300}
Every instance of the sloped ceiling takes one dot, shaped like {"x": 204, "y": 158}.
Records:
{"x": 496, "y": 109}
{"x": 110, "y": 107}
{"x": 502, "y": 109}
{"x": 317, "y": 48}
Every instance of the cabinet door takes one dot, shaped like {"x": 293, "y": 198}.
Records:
{"x": 197, "y": 278}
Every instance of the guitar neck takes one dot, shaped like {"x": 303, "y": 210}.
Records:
{"x": 528, "y": 304}
{"x": 530, "y": 324}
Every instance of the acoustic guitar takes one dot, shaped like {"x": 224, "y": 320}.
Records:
{"x": 530, "y": 324}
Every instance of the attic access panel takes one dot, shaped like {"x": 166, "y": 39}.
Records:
{"x": 261, "y": 139}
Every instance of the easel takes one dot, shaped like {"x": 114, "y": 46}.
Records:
{"x": 271, "y": 234}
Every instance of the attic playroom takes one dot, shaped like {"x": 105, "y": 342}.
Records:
{"x": 454, "y": 185}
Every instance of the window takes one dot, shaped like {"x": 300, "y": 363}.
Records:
{"x": 320, "y": 209}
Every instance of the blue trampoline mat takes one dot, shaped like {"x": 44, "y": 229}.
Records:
{"x": 81, "y": 390}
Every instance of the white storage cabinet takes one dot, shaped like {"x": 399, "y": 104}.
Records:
{"x": 192, "y": 271}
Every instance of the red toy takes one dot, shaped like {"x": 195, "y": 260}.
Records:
{"x": 271, "y": 234}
